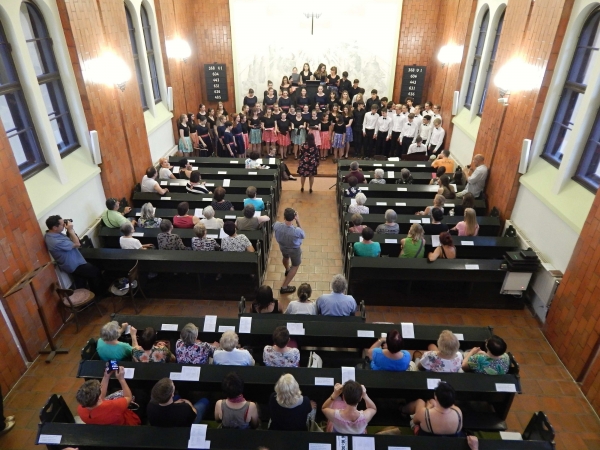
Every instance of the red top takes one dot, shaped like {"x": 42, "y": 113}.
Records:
{"x": 109, "y": 412}
{"x": 183, "y": 222}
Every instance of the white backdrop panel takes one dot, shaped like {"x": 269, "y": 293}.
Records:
{"x": 270, "y": 37}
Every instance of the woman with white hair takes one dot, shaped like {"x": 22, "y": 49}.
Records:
{"x": 109, "y": 347}
{"x": 229, "y": 354}
{"x": 378, "y": 177}
{"x": 443, "y": 357}
{"x": 210, "y": 221}
{"x": 359, "y": 207}
{"x": 191, "y": 350}
{"x": 128, "y": 242}
{"x": 390, "y": 226}
{"x": 288, "y": 408}
{"x": 147, "y": 219}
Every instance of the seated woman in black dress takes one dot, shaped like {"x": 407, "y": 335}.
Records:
{"x": 288, "y": 408}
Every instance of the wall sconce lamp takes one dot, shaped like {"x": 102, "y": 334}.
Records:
{"x": 450, "y": 54}
{"x": 108, "y": 69}
{"x": 516, "y": 75}
{"x": 178, "y": 49}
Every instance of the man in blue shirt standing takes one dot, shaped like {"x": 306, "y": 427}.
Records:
{"x": 337, "y": 303}
{"x": 64, "y": 250}
{"x": 289, "y": 238}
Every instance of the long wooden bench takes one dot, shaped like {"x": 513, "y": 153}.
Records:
{"x": 217, "y": 173}
{"x": 398, "y": 191}
{"x": 406, "y": 205}
{"x": 371, "y": 165}
{"x": 246, "y": 268}
{"x": 172, "y": 199}
{"x": 213, "y": 161}
{"x": 419, "y": 178}
{"x": 443, "y": 283}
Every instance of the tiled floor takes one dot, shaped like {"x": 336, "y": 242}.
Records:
{"x": 546, "y": 384}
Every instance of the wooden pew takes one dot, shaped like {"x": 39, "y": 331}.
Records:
{"x": 371, "y": 165}
{"x": 399, "y": 191}
{"x": 404, "y": 205}
{"x": 419, "y": 178}
{"x": 214, "y": 161}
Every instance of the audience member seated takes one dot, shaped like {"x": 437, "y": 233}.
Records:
{"x": 112, "y": 218}
{"x": 259, "y": 205}
{"x": 436, "y": 226}
{"x": 359, "y": 207}
{"x": 446, "y": 189}
{"x": 303, "y": 305}
{"x": 229, "y": 354}
{"x": 357, "y": 225}
{"x": 355, "y": 172}
{"x": 128, "y": 242}
{"x": 164, "y": 411}
{"x": 366, "y": 247}
{"x": 413, "y": 245}
{"x": 148, "y": 349}
{"x": 446, "y": 249}
{"x": 210, "y": 221}
{"x": 149, "y": 183}
{"x": 167, "y": 240}
{"x": 443, "y": 160}
{"x": 219, "y": 203}
{"x": 468, "y": 226}
{"x": 390, "y": 226}
{"x": 492, "y": 361}
{"x": 249, "y": 222}
{"x": 279, "y": 354}
{"x": 437, "y": 417}
{"x": 164, "y": 173}
{"x": 378, "y": 177}
{"x": 476, "y": 175}
{"x": 438, "y": 174}
{"x": 265, "y": 303}
{"x": 109, "y": 347}
{"x": 183, "y": 219}
{"x": 202, "y": 243}
{"x": 96, "y": 408}
{"x": 234, "y": 242}
{"x": 352, "y": 190}
{"x": 288, "y": 408}
{"x": 235, "y": 411}
{"x": 417, "y": 147}
{"x": 337, "y": 303}
{"x": 185, "y": 169}
{"x": 443, "y": 357}
{"x": 191, "y": 350}
{"x": 253, "y": 163}
{"x": 343, "y": 415}
{"x": 438, "y": 202}
{"x": 405, "y": 177}
{"x": 468, "y": 201}
{"x": 195, "y": 185}
{"x": 147, "y": 219}
{"x": 392, "y": 357}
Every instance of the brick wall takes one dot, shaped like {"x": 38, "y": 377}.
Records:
{"x": 531, "y": 31}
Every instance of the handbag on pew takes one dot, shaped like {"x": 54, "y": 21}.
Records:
{"x": 315, "y": 361}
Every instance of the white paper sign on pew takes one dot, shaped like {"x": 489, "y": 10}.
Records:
{"x": 210, "y": 324}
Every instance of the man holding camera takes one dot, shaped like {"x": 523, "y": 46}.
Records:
{"x": 64, "y": 249}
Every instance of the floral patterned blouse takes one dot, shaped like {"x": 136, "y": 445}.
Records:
{"x": 204, "y": 245}
{"x": 169, "y": 241}
{"x": 152, "y": 222}
{"x": 158, "y": 353}
{"x": 273, "y": 358}
{"x": 431, "y": 361}
{"x": 197, "y": 353}
{"x": 481, "y": 363}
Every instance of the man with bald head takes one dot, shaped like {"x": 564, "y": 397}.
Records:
{"x": 476, "y": 175}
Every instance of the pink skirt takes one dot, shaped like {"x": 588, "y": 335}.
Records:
{"x": 325, "y": 141}
{"x": 246, "y": 141}
{"x": 283, "y": 139}
{"x": 317, "y": 135}
{"x": 269, "y": 136}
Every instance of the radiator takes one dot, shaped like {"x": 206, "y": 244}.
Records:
{"x": 544, "y": 282}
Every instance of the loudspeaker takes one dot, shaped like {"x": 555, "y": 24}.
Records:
{"x": 95, "y": 147}
{"x": 170, "y": 97}
{"x": 525, "y": 148}
{"x": 455, "y": 103}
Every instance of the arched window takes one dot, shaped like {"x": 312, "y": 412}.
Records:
{"x": 136, "y": 59}
{"x": 491, "y": 64}
{"x": 572, "y": 94}
{"x": 150, "y": 54}
{"x": 485, "y": 20}
{"x": 15, "y": 116}
{"x": 588, "y": 172}
{"x": 42, "y": 56}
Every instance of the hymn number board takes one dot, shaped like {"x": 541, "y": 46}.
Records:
{"x": 216, "y": 82}
{"x": 413, "y": 80}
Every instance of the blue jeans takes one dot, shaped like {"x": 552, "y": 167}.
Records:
{"x": 201, "y": 406}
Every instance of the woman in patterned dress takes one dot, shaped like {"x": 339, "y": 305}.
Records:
{"x": 309, "y": 161}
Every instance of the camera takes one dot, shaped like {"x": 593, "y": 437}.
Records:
{"x": 112, "y": 365}
{"x": 66, "y": 221}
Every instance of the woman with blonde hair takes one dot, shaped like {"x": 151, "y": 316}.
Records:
{"x": 468, "y": 226}
{"x": 164, "y": 173}
{"x": 443, "y": 357}
{"x": 413, "y": 245}
{"x": 185, "y": 143}
{"x": 288, "y": 408}
{"x": 438, "y": 202}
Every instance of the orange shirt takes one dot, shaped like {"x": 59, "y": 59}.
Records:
{"x": 446, "y": 162}
{"x": 109, "y": 412}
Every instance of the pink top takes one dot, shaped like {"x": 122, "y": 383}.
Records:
{"x": 344, "y": 426}
{"x": 462, "y": 229}
{"x": 183, "y": 222}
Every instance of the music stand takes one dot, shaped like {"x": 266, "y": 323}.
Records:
{"x": 21, "y": 284}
